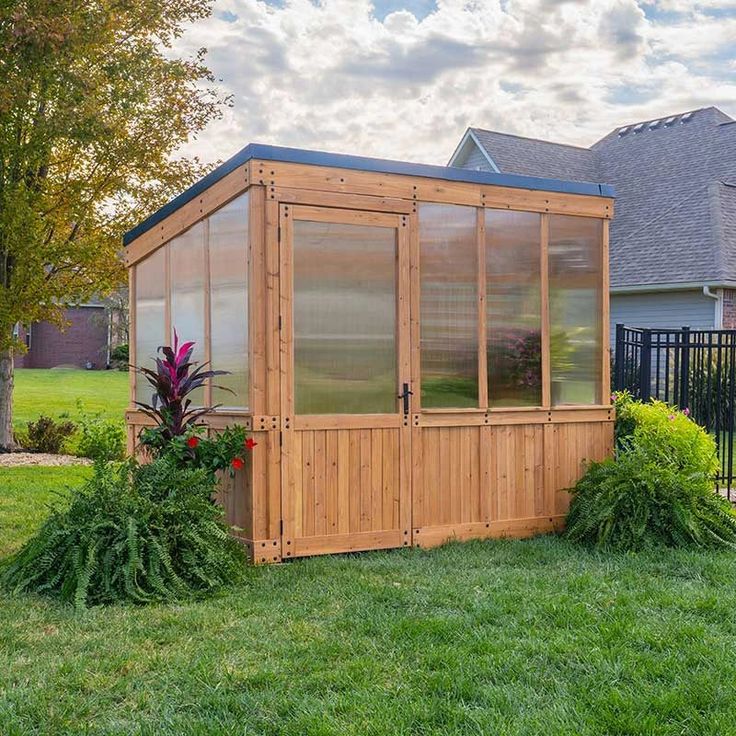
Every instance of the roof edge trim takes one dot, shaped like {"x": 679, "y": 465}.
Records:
{"x": 362, "y": 163}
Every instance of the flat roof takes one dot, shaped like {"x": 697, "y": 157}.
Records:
{"x": 363, "y": 163}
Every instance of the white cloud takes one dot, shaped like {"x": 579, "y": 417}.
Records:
{"x": 331, "y": 76}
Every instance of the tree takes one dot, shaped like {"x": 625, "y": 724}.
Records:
{"x": 94, "y": 101}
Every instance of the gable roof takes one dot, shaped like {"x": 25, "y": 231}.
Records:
{"x": 675, "y": 181}
{"x": 362, "y": 163}
{"x": 529, "y": 156}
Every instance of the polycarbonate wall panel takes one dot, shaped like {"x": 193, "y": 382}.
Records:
{"x": 150, "y": 315}
{"x": 449, "y": 305}
{"x": 344, "y": 318}
{"x": 228, "y": 254}
{"x": 513, "y": 308}
{"x": 575, "y": 275}
{"x": 187, "y": 265}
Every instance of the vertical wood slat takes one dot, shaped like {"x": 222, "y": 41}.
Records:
{"x": 406, "y": 236}
{"x": 132, "y": 339}
{"x": 320, "y": 510}
{"x": 207, "y": 309}
{"x": 544, "y": 296}
{"x": 482, "y": 309}
{"x": 605, "y": 318}
{"x": 308, "y": 478}
{"x": 354, "y": 476}
{"x": 257, "y": 301}
{"x": 278, "y": 257}
{"x": 414, "y": 332}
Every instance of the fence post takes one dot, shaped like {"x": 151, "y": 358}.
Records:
{"x": 618, "y": 375}
{"x": 685, "y": 368}
{"x": 645, "y": 365}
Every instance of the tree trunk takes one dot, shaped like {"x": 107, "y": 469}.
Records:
{"x": 6, "y": 400}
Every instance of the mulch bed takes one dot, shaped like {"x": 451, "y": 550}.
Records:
{"x": 17, "y": 459}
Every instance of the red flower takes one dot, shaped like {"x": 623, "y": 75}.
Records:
{"x": 250, "y": 443}
{"x": 192, "y": 442}
{"x": 237, "y": 463}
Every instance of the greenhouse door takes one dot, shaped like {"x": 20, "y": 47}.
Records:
{"x": 345, "y": 391}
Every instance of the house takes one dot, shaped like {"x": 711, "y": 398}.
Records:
{"x": 83, "y": 343}
{"x": 673, "y": 240}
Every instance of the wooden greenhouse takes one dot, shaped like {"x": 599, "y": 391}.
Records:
{"x": 421, "y": 352}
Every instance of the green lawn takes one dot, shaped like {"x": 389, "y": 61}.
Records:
{"x": 526, "y": 637}
{"x": 55, "y": 392}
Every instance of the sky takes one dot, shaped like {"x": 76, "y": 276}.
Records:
{"x": 403, "y": 79}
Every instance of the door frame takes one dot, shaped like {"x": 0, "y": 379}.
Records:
{"x": 291, "y": 424}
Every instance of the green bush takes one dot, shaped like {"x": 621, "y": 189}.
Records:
{"x": 47, "y": 435}
{"x": 136, "y": 533}
{"x": 657, "y": 490}
{"x": 120, "y": 353}
{"x": 101, "y": 440}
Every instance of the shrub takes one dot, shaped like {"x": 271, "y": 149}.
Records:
{"x": 47, "y": 435}
{"x": 657, "y": 490}
{"x": 120, "y": 353}
{"x": 101, "y": 440}
{"x": 136, "y": 533}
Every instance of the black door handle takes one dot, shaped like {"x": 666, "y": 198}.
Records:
{"x": 405, "y": 394}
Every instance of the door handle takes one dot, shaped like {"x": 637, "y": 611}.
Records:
{"x": 404, "y": 395}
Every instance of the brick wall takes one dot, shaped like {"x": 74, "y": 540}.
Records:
{"x": 83, "y": 339}
{"x": 729, "y": 309}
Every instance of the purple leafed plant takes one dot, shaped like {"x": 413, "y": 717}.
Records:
{"x": 175, "y": 377}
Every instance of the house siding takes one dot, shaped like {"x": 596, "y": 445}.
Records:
{"x": 83, "y": 340}
{"x": 476, "y": 160}
{"x": 667, "y": 309}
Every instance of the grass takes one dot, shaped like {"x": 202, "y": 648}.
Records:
{"x": 54, "y": 392}
{"x": 499, "y": 637}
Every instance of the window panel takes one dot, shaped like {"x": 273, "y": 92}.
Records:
{"x": 513, "y": 308}
{"x": 575, "y": 247}
{"x": 187, "y": 293}
{"x": 344, "y": 318}
{"x": 449, "y": 309}
{"x": 228, "y": 254}
{"x": 150, "y": 315}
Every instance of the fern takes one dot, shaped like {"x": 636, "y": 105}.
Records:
{"x": 132, "y": 533}
{"x": 658, "y": 490}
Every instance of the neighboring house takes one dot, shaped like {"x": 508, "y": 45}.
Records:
{"x": 84, "y": 343}
{"x": 673, "y": 236}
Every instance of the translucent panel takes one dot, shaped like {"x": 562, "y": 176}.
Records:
{"x": 344, "y": 318}
{"x": 575, "y": 245}
{"x": 150, "y": 315}
{"x": 513, "y": 308}
{"x": 228, "y": 252}
{"x": 187, "y": 266}
{"x": 449, "y": 309}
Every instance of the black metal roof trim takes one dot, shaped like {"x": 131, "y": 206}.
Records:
{"x": 362, "y": 163}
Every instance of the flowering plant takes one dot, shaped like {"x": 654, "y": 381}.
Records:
{"x": 177, "y": 434}
{"x": 227, "y": 450}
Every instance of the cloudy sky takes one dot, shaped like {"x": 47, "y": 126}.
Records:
{"x": 405, "y": 78}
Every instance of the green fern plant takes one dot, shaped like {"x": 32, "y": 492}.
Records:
{"x": 657, "y": 490}
{"x": 132, "y": 533}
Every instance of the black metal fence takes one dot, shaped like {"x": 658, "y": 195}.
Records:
{"x": 693, "y": 369}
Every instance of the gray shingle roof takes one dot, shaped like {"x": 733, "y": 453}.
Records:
{"x": 531, "y": 155}
{"x": 675, "y": 185}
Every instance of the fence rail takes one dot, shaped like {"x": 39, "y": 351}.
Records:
{"x": 693, "y": 369}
